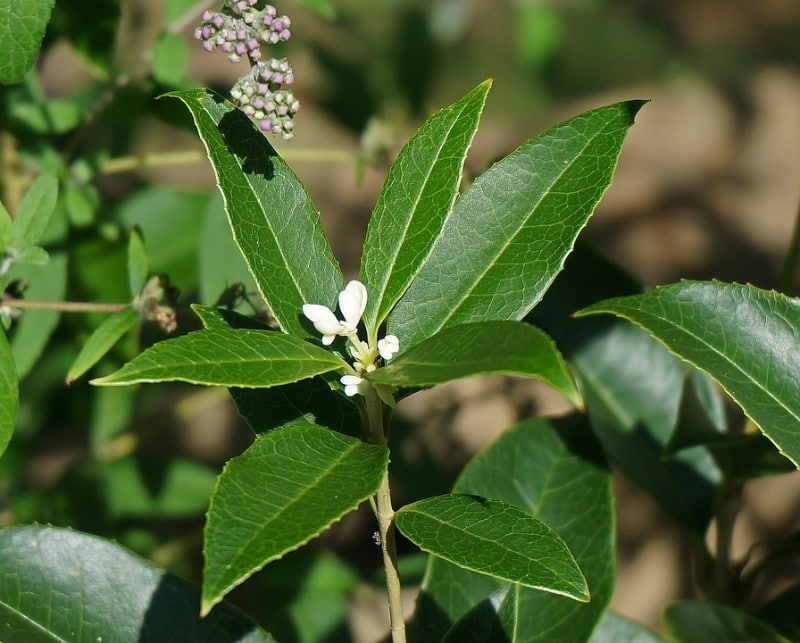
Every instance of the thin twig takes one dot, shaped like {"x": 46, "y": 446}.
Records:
{"x": 62, "y": 306}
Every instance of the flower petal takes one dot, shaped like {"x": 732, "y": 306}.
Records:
{"x": 352, "y": 302}
{"x": 323, "y": 319}
{"x": 388, "y": 346}
{"x": 353, "y": 385}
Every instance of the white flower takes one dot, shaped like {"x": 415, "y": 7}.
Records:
{"x": 352, "y": 302}
{"x": 388, "y": 346}
{"x": 354, "y": 385}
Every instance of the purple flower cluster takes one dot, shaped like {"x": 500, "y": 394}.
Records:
{"x": 239, "y": 30}
{"x": 259, "y": 95}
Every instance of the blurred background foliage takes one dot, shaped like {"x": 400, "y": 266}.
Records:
{"x": 707, "y": 187}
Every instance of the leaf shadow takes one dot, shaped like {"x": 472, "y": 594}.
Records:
{"x": 243, "y": 139}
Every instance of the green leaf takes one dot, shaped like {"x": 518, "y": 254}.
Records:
{"x": 747, "y": 339}
{"x": 22, "y": 26}
{"x": 170, "y": 221}
{"x": 274, "y": 222}
{"x": 5, "y": 227}
{"x": 507, "y": 237}
{"x": 60, "y": 585}
{"x": 613, "y": 628}
{"x": 31, "y": 334}
{"x": 249, "y": 358}
{"x": 102, "y": 340}
{"x": 323, "y": 7}
{"x": 33, "y": 214}
{"x": 495, "y": 538}
{"x": 692, "y": 621}
{"x": 289, "y": 486}
{"x": 140, "y": 487}
{"x": 508, "y": 347}
{"x": 267, "y": 408}
{"x": 170, "y": 57}
{"x": 418, "y": 193}
{"x": 138, "y": 265}
{"x": 82, "y": 201}
{"x": 220, "y": 264}
{"x": 9, "y": 393}
{"x": 554, "y": 470}
{"x": 632, "y": 387}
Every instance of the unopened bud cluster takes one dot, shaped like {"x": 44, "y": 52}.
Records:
{"x": 240, "y": 30}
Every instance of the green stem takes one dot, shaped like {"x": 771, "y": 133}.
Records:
{"x": 385, "y": 515}
{"x": 792, "y": 258}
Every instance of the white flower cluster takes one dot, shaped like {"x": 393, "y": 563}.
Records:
{"x": 352, "y": 302}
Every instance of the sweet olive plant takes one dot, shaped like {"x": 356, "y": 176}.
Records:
{"x": 452, "y": 283}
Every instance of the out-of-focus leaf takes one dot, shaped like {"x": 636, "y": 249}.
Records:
{"x": 174, "y": 489}
{"x": 102, "y": 340}
{"x": 507, "y": 236}
{"x": 220, "y": 263}
{"x": 274, "y": 222}
{"x": 138, "y": 265}
{"x": 33, "y": 214}
{"x": 5, "y": 227}
{"x": 82, "y": 202}
{"x": 170, "y": 221}
{"x": 32, "y": 332}
{"x": 507, "y": 347}
{"x": 9, "y": 393}
{"x": 22, "y": 26}
{"x": 325, "y": 8}
{"x": 170, "y": 57}
{"x": 747, "y": 339}
{"x": 613, "y": 628}
{"x": 554, "y": 470}
{"x": 56, "y": 583}
{"x": 693, "y": 621}
{"x": 418, "y": 194}
{"x": 493, "y": 537}
{"x": 249, "y": 358}
{"x": 781, "y": 613}
{"x": 285, "y": 489}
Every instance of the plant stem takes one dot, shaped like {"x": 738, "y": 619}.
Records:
{"x": 63, "y": 306}
{"x": 385, "y": 515}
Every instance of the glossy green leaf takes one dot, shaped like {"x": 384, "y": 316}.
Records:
{"x": 265, "y": 409}
{"x": 34, "y": 212}
{"x": 632, "y": 387}
{"x": 693, "y": 621}
{"x": 249, "y": 358}
{"x": 290, "y": 485}
{"x": 747, "y": 339}
{"x": 138, "y": 264}
{"x": 418, "y": 194}
{"x": 22, "y": 26}
{"x": 554, "y": 470}
{"x": 272, "y": 217}
{"x": 507, "y": 237}
{"x": 613, "y": 628}
{"x": 507, "y": 347}
{"x": 47, "y": 283}
{"x": 493, "y": 537}
{"x": 102, "y": 340}
{"x": 9, "y": 393}
{"x": 59, "y": 585}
